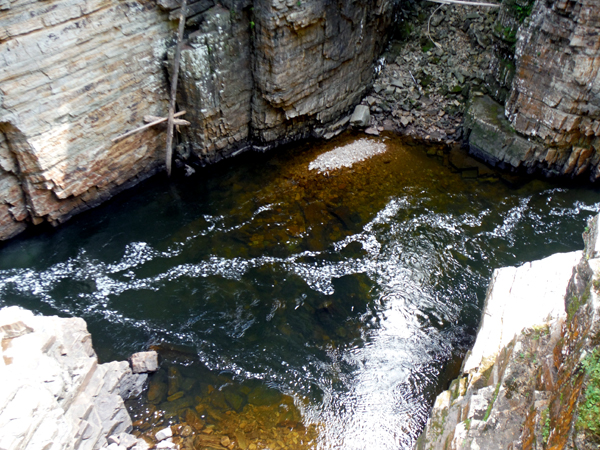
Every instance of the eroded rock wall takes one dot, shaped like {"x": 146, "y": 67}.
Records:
{"x": 254, "y": 73}
{"x": 73, "y": 75}
{"x": 555, "y": 97}
{"x": 313, "y": 61}
{"x": 216, "y": 81}
{"x": 265, "y": 72}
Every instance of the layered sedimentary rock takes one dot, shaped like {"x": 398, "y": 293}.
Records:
{"x": 54, "y": 393}
{"x": 555, "y": 98}
{"x": 262, "y": 73}
{"x": 216, "y": 81}
{"x": 73, "y": 75}
{"x": 556, "y": 90}
{"x": 523, "y": 380}
{"x": 313, "y": 62}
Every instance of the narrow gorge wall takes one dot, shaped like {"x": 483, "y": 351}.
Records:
{"x": 259, "y": 74}
{"x": 73, "y": 75}
{"x": 556, "y": 90}
{"x": 525, "y": 380}
{"x": 255, "y": 74}
{"x": 551, "y": 120}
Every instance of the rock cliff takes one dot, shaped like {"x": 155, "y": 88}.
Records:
{"x": 73, "y": 75}
{"x": 524, "y": 382}
{"x": 54, "y": 393}
{"x": 263, "y": 73}
{"x": 554, "y": 101}
{"x": 255, "y": 73}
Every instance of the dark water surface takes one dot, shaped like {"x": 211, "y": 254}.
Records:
{"x": 294, "y": 309}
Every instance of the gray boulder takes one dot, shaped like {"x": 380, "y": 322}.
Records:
{"x": 361, "y": 117}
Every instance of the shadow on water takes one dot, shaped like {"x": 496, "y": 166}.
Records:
{"x": 292, "y": 308}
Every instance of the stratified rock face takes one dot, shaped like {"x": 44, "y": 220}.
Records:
{"x": 254, "y": 73}
{"x": 556, "y": 89}
{"x": 73, "y": 75}
{"x": 265, "y": 72}
{"x": 313, "y": 61}
{"x": 54, "y": 393}
{"x": 215, "y": 82}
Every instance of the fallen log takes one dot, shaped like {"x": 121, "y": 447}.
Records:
{"x": 151, "y": 124}
{"x": 462, "y": 2}
{"x": 174, "y": 75}
{"x": 150, "y": 119}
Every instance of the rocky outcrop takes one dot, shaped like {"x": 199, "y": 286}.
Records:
{"x": 522, "y": 382}
{"x": 259, "y": 74}
{"x": 73, "y": 75}
{"x": 216, "y": 82}
{"x": 314, "y": 61}
{"x": 493, "y": 139}
{"x": 54, "y": 393}
{"x": 555, "y": 97}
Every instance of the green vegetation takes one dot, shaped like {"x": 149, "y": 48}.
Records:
{"x": 577, "y": 302}
{"x": 507, "y": 33}
{"x": 589, "y": 409}
{"x": 537, "y": 331}
{"x": 545, "y": 421}
{"x": 426, "y": 45}
{"x": 468, "y": 424}
{"x": 522, "y": 9}
{"x": 491, "y": 405}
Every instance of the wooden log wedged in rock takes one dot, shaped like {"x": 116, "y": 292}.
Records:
{"x": 170, "y": 5}
{"x": 151, "y": 124}
{"x": 462, "y": 2}
{"x": 181, "y": 122}
{"x": 174, "y": 76}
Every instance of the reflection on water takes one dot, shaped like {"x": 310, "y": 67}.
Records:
{"x": 292, "y": 308}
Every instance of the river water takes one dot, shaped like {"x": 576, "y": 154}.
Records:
{"x": 292, "y": 308}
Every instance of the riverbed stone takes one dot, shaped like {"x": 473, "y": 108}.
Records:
{"x": 144, "y": 362}
{"x": 164, "y": 434}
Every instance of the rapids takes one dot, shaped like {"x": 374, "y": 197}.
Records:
{"x": 344, "y": 300}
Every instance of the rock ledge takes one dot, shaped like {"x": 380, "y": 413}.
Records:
{"x": 54, "y": 393}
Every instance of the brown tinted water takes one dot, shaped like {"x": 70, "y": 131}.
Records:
{"x": 292, "y": 308}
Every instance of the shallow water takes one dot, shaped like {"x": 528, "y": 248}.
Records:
{"x": 294, "y": 308}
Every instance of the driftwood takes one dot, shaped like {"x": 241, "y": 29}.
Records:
{"x": 151, "y": 124}
{"x": 461, "y": 2}
{"x": 174, "y": 77}
{"x": 151, "y": 119}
